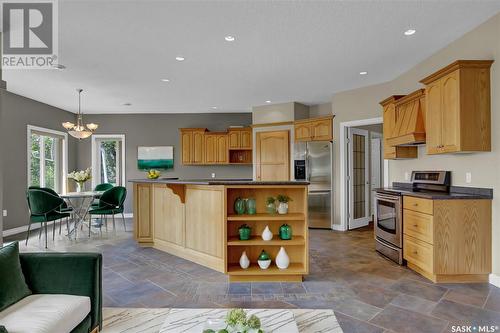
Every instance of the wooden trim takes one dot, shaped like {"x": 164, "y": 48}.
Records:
{"x": 282, "y": 123}
{"x": 265, "y": 278}
{"x": 301, "y": 121}
{"x": 454, "y": 66}
{"x": 391, "y": 99}
{"x": 179, "y": 190}
{"x": 414, "y": 95}
{"x": 404, "y": 139}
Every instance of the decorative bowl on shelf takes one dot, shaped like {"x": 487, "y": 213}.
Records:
{"x": 153, "y": 174}
{"x": 285, "y": 232}
{"x": 264, "y": 260}
{"x": 245, "y": 232}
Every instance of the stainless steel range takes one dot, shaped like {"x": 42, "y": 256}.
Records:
{"x": 389, "y": 210}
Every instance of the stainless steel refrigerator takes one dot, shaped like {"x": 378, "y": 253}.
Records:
{"x": 313, "y": 161}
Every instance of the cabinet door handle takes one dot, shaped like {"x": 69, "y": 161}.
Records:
{"x": 415, "y": 225}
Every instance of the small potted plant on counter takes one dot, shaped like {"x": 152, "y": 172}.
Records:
{"x": 283, "y": 203}
{"x": 271, "y": 205}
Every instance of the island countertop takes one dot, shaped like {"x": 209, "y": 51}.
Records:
{"x": 216, "y": 181}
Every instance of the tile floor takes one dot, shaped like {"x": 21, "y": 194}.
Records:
{"x": 367, "y": 292}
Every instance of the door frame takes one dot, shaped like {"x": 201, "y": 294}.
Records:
{"x": 364, "y": 220}
{"x": 380, "y": 138}
{"x": 94, "y": 161}
{"x": 343, "y": 166}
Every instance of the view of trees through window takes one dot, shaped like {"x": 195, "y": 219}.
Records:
{"x": 43, "y": 161}
{"x": 109, "y": 163}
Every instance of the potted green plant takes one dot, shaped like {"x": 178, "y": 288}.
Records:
{"x": 245, "y": 232}
{"x": 271, "y": 205}
{"x": 283, "y": 203}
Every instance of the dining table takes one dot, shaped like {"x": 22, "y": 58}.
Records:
{"x": 80, "y": 202}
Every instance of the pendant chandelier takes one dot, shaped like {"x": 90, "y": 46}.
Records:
{"x": 78, "y": 130}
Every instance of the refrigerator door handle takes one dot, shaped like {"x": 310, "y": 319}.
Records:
{"x": 319, "y": 192}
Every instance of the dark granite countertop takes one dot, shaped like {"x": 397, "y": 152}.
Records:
{"x": 456, "y": 192}
{"x": 217, "y": 181}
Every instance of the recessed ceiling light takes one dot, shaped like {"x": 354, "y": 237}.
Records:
{"x": 165, "y": 80}
{"x": 363, "y": 73}
{"x": 127, "y": 104}
{"x": 59, "y": 67}
{"x": 410, "y": 32}
{"x": 214, "y": 107}
{"x": 179, "y": 58}
{"x": 268, "y": 101}
{"x": 230, "y": 38}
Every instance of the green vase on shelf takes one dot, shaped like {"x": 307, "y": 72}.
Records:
{"x": 239, "y": 206}
{"x": 245, "y": 232}
{"x": 251, "y": 206}
{"x": 285, "y": 232}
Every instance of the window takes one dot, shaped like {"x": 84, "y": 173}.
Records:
{"x": 46, "y": 158}
{"x": 108, "y": 159}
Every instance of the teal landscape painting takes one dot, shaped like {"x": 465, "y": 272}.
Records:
{"x": 158, "y": 157}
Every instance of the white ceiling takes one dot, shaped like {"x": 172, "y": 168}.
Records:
{"x": 304, "y": 51}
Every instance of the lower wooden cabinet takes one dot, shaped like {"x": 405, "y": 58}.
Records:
{"x": 448, "y": 240}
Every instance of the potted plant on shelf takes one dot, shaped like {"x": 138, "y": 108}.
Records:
{"x": 283, "y": 203}
{"x": 245, "y": 231}
{"x": 80, "y": 177}
{"x": 271, "y": 205}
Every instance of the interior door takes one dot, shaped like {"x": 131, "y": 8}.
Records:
{"x": 359, "y": 182}
{"x": 376, "y": 169}
{"x": 273, "y": 155}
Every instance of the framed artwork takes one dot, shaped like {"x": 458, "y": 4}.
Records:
{"x": 157, "y": 157}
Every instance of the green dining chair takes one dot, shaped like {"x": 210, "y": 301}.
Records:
{"x": 111, "y": 203}
{"x": 98, "y": 188}
{"x": 44, "y": 207}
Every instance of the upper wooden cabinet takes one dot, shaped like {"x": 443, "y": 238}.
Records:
{"x": 458, "y": 108}
{"x": 216, "y": 148}
{"x": 389, "y": 115}
{"x": 240, "y": 138}
{"x": 316, "y": 129}
{"x": 193, "y": 143}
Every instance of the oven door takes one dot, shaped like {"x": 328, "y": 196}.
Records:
{"x": 388, "y": 219}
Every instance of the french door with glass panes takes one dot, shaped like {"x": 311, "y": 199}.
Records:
{"x": 359, "y": 181}
{"x": 108, "y": 159}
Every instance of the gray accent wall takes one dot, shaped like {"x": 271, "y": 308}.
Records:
{"x": 18, "y": 112}
{"x": 163, "y": 130}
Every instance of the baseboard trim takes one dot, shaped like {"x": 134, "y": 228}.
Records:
{"x": 338, "y": 227}
{"x": 24, "y": 228}
{"x": 495, "y": 280}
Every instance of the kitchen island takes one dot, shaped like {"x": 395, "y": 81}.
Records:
{"x": 195, "y": 220}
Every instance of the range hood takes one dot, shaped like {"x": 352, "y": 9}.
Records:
{"x": 410, "y": 120}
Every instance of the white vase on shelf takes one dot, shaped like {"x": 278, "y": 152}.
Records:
{"x": 267, "y": 235}
{"x": 282, "y": 260}
{"x": 283, "y": 208}
{"x": 244, "y": 261}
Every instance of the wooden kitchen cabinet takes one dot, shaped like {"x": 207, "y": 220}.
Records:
{"x": 459, "y": 108}
{"x": 448, "y": 240}
{"x": 389, "y": 125}
{"x": 314, "y": 129}
{"x": 273, "y": 155}
{"x": 216, "y": 148}
{"x": 193, "y": 143}
{"x": 240, "y": 138}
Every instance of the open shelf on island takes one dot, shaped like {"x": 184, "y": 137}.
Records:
{"x": 257, "y": 240}
{"x": 254, "y": 269}
{"x": 267, "y": 217}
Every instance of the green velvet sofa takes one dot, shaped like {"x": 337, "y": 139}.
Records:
{"x": 67, "y": 273}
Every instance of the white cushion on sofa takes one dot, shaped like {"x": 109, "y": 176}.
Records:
{"x": 45, "y": 314}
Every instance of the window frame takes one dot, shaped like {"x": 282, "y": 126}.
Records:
{"x": 63, "y": 180}
{"x": 95, "y": 167}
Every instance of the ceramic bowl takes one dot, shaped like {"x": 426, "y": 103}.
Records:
{"x": 264, "y": 264}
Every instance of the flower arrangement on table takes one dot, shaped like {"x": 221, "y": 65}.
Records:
{"x": 237, "y": 321}
{"x": 80, "y": 177}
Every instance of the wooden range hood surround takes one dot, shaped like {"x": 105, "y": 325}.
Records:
{"x": 410, "y": 120}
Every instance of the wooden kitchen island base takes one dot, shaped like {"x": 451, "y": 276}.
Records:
{"x": 195, "y": 220}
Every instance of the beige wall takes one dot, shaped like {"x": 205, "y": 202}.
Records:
{"x": 481, "y": 43}
{"x": 276, "y": 113}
